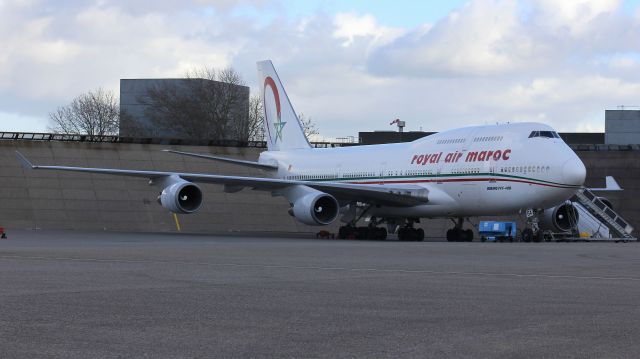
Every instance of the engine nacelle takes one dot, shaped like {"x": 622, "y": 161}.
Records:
{"x": 315, "y": 208}
{"x": 562, "y": 218}
{"x": 181, "y": 197}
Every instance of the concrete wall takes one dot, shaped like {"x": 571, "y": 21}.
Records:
{"x": 56, "y": 200}
{"x": 624, "y": 166}
{"x": 48, "y": 199}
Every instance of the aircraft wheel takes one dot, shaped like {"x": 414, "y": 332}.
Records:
{"x": 458, "y": 235}
{"x": 538, "y": 237}
{"x": 362, "y": 233}
{"x": 402, "y": 233}
{"x": 527, "y": 235}
{"x": 450, "y": 235}
{"x": 372, "y": 233}
{"x": 468, "y": 235}
{"x": 382, "y": 233}
{"x": 420, "y": 235}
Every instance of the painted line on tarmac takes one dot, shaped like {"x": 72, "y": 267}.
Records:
{"x": 347, "y": 269}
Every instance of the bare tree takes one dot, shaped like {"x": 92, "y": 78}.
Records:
{"x": 95, "y": 113}
{"x": 308, "y": 126}
{"x": 208, "y": 104}
{"x": 256, "y": 119}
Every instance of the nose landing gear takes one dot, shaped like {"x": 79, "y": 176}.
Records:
{"x": 532, "y": 233}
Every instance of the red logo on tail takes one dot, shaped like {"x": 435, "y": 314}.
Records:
{"x": 279, "y": 125}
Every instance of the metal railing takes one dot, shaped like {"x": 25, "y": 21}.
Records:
{"x": 605, "y": 214}
{"x": 604, "y": 147}
{"x": 36, "y": 136}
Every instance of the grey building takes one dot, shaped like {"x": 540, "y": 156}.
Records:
{"x": 183, "y": 109}
{"x": 622, "y": 127}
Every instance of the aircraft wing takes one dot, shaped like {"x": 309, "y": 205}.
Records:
{"x": 264, "y": 166}
{"x": 396, "y": 195}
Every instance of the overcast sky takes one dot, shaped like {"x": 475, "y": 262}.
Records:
{"x": 350, "y": 65}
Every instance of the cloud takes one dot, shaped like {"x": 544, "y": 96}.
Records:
{"x": 495, "y": 37}
{"x": 51, "y": 55}
{"x": 482, "y": 38}
{"x": 485, "y": 62}
{"x": 350, "y": 26}
{"x": 575, "y": 17}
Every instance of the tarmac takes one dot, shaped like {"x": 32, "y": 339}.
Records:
{"x": 71, "y": 294}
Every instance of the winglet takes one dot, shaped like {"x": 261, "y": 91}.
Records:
{"x": 24, "y": 161}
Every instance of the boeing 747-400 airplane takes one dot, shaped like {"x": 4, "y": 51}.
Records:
{"x": 471, "y": 171}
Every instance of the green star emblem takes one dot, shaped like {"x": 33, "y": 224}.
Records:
{"x": 279, "y": 126}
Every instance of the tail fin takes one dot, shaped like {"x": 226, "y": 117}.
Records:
{"x": 282, "y": 127}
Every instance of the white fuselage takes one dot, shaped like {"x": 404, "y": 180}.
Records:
{"x": 471, "y": 171}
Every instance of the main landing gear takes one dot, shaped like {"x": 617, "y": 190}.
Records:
{"x": 408, "y": 233}
{"x": 457, "y": 234}
{"x": 374, "y": 231}
{"x": 352, "y": 231}
{"x": 369, "y": 232}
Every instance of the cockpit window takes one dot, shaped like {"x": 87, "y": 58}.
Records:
{"x": 547, "y": 134}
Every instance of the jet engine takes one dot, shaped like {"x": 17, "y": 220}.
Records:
{"x": 562, "y": 218}
{"x": 315, "y": 208}
{"x": 181, "y": 197}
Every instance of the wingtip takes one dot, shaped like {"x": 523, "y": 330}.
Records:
{"x": 24, "y": 161}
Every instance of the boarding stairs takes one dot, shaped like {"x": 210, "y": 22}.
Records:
{"x": 618, "y": 227}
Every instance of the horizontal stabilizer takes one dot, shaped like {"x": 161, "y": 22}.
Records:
{"x": 610, "y": 185}
{"x": 24, "y": 161}
{"x": 264, "y": 166}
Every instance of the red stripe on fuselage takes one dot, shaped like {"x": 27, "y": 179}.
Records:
{"x": 461, "y": 180}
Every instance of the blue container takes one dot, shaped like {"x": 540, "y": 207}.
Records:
{"x": 497, "y": 231}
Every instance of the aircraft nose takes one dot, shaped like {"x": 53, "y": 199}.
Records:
{"x": 574, "y": 172}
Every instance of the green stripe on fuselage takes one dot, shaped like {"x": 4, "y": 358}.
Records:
{"x": 441, "y": 176}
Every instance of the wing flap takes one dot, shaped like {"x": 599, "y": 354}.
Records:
{"x": 264, "y": 166}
